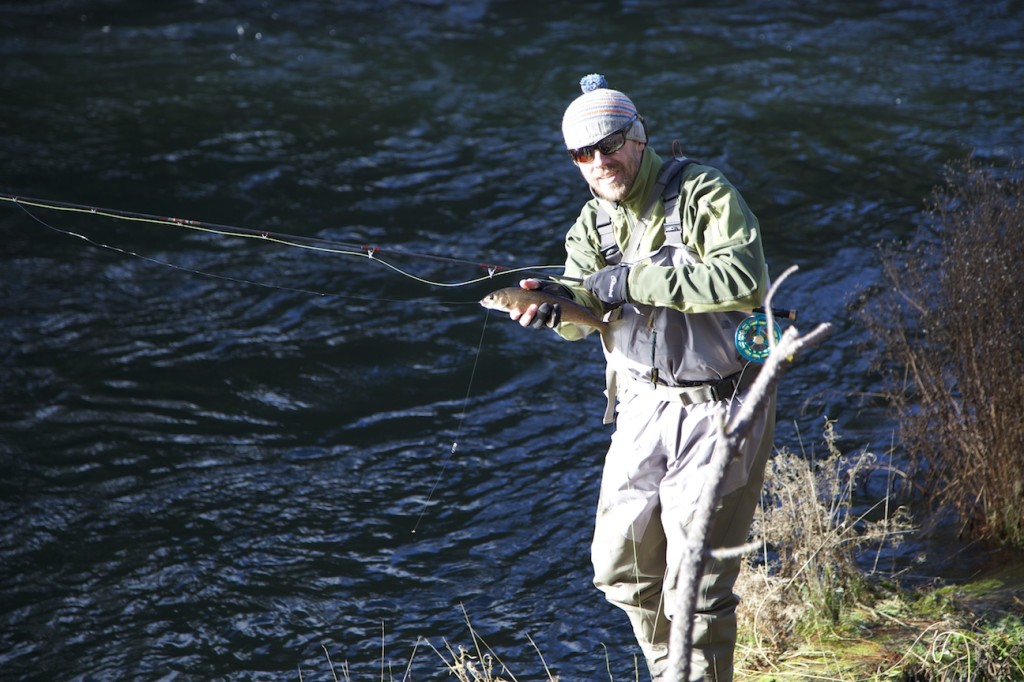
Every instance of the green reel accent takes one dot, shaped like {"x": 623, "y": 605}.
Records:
{"x": 752, "y": 338}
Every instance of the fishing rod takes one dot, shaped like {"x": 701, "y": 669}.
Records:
{"x": 315, "y": 244}
{"x": 372, "y": 252}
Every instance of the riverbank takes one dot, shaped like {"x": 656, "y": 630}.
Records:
{"x": 967, "y": 631}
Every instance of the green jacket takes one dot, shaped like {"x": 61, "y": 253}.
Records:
{"x": 718, "y": 228}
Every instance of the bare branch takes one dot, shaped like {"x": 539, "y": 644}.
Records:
{"x": 730, "y": 434}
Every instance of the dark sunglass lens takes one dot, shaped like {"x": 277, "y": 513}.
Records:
{"x": 582, "y": 155}
{"x": 612, "y": 143}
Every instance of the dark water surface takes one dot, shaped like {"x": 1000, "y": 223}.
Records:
{"x": 207, "y": 479}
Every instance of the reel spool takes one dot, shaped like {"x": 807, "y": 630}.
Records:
{"x": 752, "y": 338}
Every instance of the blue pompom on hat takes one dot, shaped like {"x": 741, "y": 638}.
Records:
{"x": 598, "y": 113}
{"x": 593, "y": 81}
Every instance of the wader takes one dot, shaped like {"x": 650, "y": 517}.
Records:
{"x": 651, "y": 481}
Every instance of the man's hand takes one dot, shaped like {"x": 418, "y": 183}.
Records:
{"x": 544, "y": 315}
{"x": 610, "y": 284}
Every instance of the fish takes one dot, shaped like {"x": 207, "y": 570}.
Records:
{"x": 511, "y": 298}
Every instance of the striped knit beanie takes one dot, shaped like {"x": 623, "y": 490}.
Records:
{"x": 598, "y": 113}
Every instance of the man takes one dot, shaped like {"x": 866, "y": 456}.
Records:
{"x": 674, "y": 290}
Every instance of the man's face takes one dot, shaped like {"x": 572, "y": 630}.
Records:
{"x": 611, "y": 176}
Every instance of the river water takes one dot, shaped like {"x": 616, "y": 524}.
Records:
{"x": 207, "y": 478}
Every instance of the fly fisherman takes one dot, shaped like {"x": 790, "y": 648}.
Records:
{"x": 675, "y": 276}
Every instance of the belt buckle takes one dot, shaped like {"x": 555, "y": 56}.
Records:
{"x": 715, "y": 395}
{"x": 726, "y": 387}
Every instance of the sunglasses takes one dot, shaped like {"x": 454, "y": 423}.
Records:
{"x": 606, "y": 146}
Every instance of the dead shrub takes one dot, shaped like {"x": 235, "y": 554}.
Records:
{"x": 948, "y": 326}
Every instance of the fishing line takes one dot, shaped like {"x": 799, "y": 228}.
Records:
{"x": 174, "y": 266}
{"x": 227, "y": 278}
{"x": 458, "y": 430}
{"x": 371, "y": 252}
{"x": 23, "y": 204}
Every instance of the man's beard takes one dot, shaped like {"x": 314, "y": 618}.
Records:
{"x": 617, "y": 191}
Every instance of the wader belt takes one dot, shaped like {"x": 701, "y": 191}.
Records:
{"x": 691, "y": 393}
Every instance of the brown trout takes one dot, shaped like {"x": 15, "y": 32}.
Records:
{"x": 510, "y": 298}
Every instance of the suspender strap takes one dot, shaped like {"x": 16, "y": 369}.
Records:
{"x": 670, "y": 198}
{"x": 666, "y": 188}
{"x": 606, "y": 231}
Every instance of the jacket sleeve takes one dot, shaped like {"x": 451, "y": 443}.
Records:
{"x": 725, "y": 239}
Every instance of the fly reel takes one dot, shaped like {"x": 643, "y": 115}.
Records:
{"x": 752, "y": 337}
